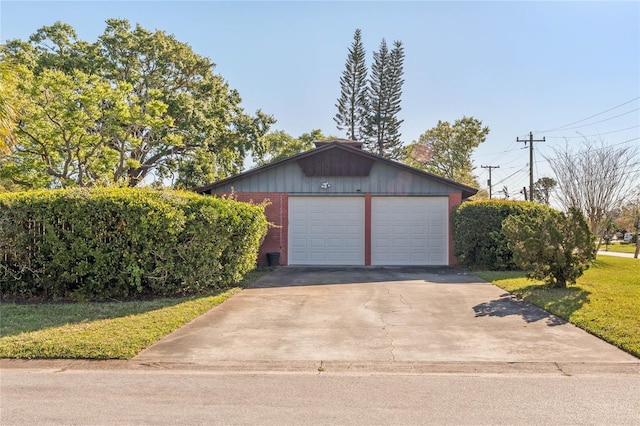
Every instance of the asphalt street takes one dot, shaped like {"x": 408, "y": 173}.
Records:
{"x": 172, "y": 397}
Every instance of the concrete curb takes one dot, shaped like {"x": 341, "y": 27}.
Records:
{"x": 340, "y": 367}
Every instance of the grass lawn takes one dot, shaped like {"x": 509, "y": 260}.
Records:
{"x": 605, "y": 301}
{"x": 619, "y": 248}
{"x": 104, "y": 330}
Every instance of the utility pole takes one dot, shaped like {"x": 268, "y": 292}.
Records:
{"x": 489, "y": 181}
{"x": 635, "y": 256}
{"x": 531, "y": 141}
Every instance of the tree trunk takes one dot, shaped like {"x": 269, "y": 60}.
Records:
{"x": 595, "y": 256}
{"x": 561, "y": 282}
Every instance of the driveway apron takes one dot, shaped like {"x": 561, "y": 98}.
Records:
{"x": 378, "y": 315}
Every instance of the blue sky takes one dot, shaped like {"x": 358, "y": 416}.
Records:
{"x": 517, "y": 66}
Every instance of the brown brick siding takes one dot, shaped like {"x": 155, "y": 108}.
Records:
{"x": 455, "y": 199}
{"x": 277, "y": 213}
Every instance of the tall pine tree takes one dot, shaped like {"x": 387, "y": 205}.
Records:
{"x": 384, "y": 93}
{"x": 352, "y": 104}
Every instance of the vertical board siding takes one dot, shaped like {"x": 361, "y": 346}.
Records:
{"x": 383, "y": 180}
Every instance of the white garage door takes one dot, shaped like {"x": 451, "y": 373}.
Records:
{"x": 326, "y": 231}
{"x": 409, "y": 230}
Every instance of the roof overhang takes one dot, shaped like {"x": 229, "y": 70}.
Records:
{"x": 304, "y": 159}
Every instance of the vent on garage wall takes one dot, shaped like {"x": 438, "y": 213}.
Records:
{"x": 336, "y": 163}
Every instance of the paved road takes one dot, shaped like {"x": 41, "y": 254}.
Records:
{"x": 182, "y": 397}
{"x": 386, "y": 315}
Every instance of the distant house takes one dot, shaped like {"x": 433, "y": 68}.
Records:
{"x": 339, "y": 205}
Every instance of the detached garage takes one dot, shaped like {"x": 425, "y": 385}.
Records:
{"x": 339, "y": 205}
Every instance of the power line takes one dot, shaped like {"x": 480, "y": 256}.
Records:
{"x": 595, "y": 134}
{"x": 590, "y": 117}
{"x": 595, "y": 122}
{"x": 548, "y": 160}
{"x": 531, "y": 141}
{"x": 489, "y": 181}
{"x": 593, "y": 150}
{"x": 522, "y": 169}
{"x": 501, "y": 153}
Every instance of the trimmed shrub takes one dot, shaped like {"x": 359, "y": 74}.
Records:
{"x": 553, "y": 246}
{"x": 116, "y": 243}
{"x": 478, "y": 240}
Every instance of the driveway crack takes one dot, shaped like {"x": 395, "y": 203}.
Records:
{"x": 404, "y": 302}
{"x": 385, "y": 329}
{"x": 564, "y": 373}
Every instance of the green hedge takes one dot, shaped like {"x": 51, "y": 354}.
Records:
{"x": 479, "y": 242}
{"x": 117, "y": 243}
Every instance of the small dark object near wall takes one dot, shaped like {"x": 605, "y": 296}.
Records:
{"x": 273, "y": 259}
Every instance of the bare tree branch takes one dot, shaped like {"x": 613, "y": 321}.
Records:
{"x": 595, "y": 179}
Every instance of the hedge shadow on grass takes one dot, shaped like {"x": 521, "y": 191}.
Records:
{"x": 27, "y": 317}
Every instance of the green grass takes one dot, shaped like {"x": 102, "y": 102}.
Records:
{"x": 619, "y": 248}
{"x": 605, "y": 301}
{"x": 111, "y": 330}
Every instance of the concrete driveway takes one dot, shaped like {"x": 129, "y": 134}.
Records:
{"x": 383, "y": 315}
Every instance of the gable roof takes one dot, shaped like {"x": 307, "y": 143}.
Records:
{"x": 467, "y": 191}
{"x": 349, "y": 142}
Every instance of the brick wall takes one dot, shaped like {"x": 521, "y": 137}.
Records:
{"x": 455, "y": 199}
{"x": 277, "y": 213}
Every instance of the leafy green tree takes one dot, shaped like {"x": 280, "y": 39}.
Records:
{"x": 198, "y": 168}
{"x": 177, "y": 109}
{"x": 307, "y": 139}
{"x": 446, "y": 149}
{"x": 8, "y": 112}
{"x": 280, "y": 145}
{"x": 63, "y": 127}
{"x": 8, "y": 119}
{"x": 352, "y": 104}
{"x": 554, "y": 246}
{"x": 542, "y": 189}
{"x": 384, "y": 96}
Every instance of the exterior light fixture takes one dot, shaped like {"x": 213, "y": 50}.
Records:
{"x": 325, "y": 185}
